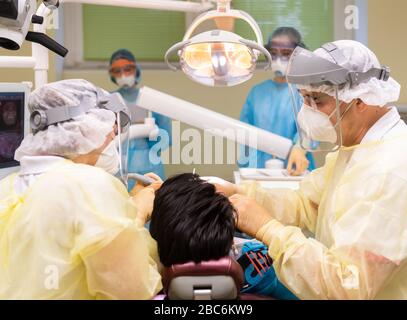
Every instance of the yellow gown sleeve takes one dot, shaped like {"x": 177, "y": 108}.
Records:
{"x": 369, "y": 247}
{"x": 293, "y": 207}
{"x": 120, "y": 256}
{"x": 290, "y": 207}
{"x": 127, "y": 268}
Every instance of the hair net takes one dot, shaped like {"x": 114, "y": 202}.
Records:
{"x": 122, "y": 54}
{"x": 359, "y": 58}
{"x": 79, "y": 136}
{"x": 290, "y": 32}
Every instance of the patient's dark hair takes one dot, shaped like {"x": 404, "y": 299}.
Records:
{"x": 191, "y": 221}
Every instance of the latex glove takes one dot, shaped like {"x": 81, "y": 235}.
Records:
{"x": 250, "y": 215}
{"x": 143, "y": 198}
{"x": 155, "y": 185}
{"x": 298, "y": 160}
{"x": 222, "y": 186}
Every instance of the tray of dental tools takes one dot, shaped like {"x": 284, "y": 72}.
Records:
{"x": 269, "y": 174}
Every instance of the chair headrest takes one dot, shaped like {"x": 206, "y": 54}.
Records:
{"x": 214, "y": 273}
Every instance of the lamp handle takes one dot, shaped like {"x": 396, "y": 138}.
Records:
{"x": 171, "y": 50}
{"x": 256, "y": 46}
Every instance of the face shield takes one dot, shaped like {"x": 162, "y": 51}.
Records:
{"x": 281, "y": 51}
{"x": 115, "y": 103}
{"x": 319, "y": 115}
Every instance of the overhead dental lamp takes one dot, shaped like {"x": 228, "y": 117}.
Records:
{"x": 219, "y": 57}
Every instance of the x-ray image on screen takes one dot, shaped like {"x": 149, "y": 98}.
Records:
{"x": 11, "y": 126}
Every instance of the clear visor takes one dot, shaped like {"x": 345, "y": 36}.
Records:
{"x": 115, "y": 103}
{"x": 220, "y": 64}
{"x": 318, "y": 115}
{"x": 122, "y": 145}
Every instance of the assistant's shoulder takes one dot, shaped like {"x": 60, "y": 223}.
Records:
{"x": 392, "y": 155}
{"x": 262, "y": 87}
{"x": 7, "y": 186}
{"x": 85, "y": 177}
{"x": 260, "y": 92}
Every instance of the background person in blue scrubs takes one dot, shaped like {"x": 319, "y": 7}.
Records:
{"x": 125, "y": 72}
{"x": 268, "y": 105}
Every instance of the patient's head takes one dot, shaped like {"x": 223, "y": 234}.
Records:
{"x": 191, "y": 221}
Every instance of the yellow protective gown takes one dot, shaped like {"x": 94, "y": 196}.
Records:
{"x": 73, "y": 235}
{"x": 356, "y": 206}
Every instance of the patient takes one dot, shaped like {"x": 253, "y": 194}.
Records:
{"x": 192, "y": 222}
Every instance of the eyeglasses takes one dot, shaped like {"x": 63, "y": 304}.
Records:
{"x": 282, "y": 53}
{"x": 118, "y": 71}
{"x": 315, "y": 100}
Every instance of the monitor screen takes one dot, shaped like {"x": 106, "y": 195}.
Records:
{"x": 11, "y": 126}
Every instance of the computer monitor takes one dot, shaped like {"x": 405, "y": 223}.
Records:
{"x": 14, "y": 123}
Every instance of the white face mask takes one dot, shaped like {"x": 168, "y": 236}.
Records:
{"x": 126, "y": 81}
{"x": 109, "y": 159}
{"x": 317, "y": 125}
{"x": 279, "y": 67}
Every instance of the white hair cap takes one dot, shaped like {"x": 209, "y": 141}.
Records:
{"x": 78, "y": 136}
{"x": 359, "y": 58}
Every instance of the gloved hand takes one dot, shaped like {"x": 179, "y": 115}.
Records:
{"x": 222, "y": 186}
{"x": 250, "y": 215}
{"x": 143, "y": 198}
{"x": 155, "y": 185}
{"x": 298, "y": 159}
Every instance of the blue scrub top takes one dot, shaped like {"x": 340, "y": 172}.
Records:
{"x": 269, "y": 107}
{"x": 139, "y": 160}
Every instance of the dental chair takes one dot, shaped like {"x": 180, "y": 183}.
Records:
{"x": 209, "y": 280}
